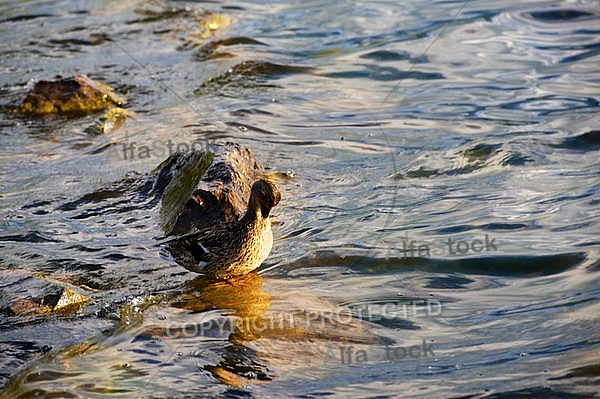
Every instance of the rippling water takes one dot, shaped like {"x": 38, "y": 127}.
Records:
{"x": 445, "y": 196}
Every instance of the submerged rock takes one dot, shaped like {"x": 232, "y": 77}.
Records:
{"x": 250, "y": 74}
{"x": 113, "y": 119}
{"x": 77, "y": 95}
{"x": 64, "y": 298}
{"x": 210, "y": 23}
{"x": 35, "y": 295}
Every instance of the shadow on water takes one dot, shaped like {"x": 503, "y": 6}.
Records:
{"x": 508, "y": 266}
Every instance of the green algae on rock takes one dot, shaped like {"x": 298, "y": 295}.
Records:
{"x": 186, "y": 170}
{"x": 196, "y": 198}
{"x": 36, "y": 295}
{"x": 77, "y": 95}
{"x": 112, "y": 120}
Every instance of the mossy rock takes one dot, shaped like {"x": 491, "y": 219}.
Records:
{"x": 28, "y": 295}
{"x": 73, "y": 96}
{"x": 205, "y": 189}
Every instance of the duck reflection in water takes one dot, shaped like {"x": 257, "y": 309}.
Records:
{"x": 263, "y": 331}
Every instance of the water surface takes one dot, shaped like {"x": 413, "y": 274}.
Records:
{"x": 490, "y": 134}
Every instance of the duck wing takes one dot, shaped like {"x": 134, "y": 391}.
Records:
{"x": 204, "y": 243}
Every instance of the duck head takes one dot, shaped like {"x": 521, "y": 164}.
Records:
{"x": 263, "y": 197}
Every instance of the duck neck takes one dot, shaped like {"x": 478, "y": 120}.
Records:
{"x": 253, "y": 212}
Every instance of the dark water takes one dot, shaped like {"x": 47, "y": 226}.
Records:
{"x": 489, "y": 138}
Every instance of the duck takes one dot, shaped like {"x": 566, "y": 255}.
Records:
{"x": 231, "y": 248}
